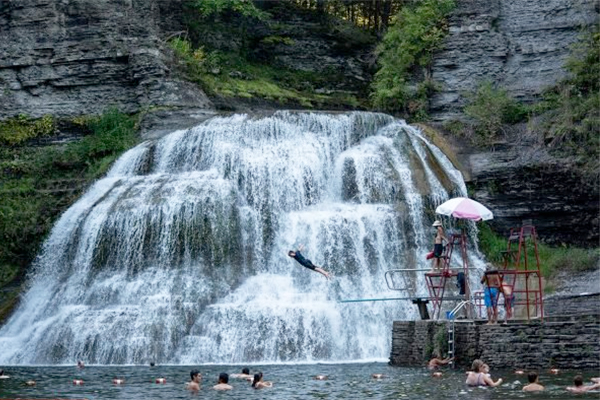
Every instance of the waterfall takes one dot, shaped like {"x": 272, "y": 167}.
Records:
{"x": 179, "y": 255}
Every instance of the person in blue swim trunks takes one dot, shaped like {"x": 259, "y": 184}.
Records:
{"x": 491, "y": 279}
{"x": 305, "y": 262}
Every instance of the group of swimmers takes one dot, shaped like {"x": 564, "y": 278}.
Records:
{"x": 223, "y": 381}
{"x": 479, "y": 375}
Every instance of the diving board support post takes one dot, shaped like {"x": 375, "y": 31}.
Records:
{"x": 422, "y": 306}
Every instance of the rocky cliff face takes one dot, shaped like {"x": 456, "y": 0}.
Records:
{"x": 517, "y": 186}
{"x": 521, "y": 45}
{"x": 78, "y": 57}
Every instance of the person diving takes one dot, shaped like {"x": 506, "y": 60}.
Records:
{"x": 305, "y": 262}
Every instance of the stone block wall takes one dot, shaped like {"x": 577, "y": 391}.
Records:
{"x": 560, "y": 342}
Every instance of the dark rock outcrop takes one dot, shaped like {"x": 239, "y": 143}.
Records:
{"x": 516, "y": 187}
{"x": 518, "y": 180}
{"x": 520, "y": 45}
{"x": 69, "y": 58}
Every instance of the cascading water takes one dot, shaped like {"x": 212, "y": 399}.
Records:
{"x": 179, "y": 255}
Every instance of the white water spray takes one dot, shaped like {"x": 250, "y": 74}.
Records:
{"x": 179, "y": 254}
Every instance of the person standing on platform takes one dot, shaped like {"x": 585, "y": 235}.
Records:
{"x": 438, "y": 244}
{"x": 491, "y": 280}
{"x": 509, "y": 301}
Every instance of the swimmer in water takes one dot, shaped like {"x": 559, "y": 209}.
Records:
{"x": 223, "y": 383}
{"x": 258, "y": 382}
{"x": 244, "y": 375}
{"x": 195, "y": 378}
{"x": 437, "y": 362}
{"x": 534, "y": 384}
{"x": 479, "y": 375}
{"x": 580, "y": 387}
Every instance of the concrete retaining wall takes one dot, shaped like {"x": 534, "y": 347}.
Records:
{"x": 560, "y": 342}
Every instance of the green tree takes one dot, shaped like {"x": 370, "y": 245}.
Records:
{"x": 211, "y": 8}
{"x": 406, "y": 51}
{"x": 572, "y": 124}
{"x": 584, "y": 64}
{"x": 491, "y": 108}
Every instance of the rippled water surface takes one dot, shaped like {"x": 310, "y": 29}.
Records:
{"x": 346, "y": 381}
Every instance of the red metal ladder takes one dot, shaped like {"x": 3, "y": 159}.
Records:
{"x": 437, "y": 280}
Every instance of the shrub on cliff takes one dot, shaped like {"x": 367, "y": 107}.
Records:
{"x": 20, "y": 129}
{"x": 571, "y": 122}
{"x": 490, "y": 108}
{"x": 39, "y": 182}
{"x": 407, "y": 50}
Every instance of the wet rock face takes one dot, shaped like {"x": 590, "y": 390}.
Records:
{"x": 520, "y": 45}
{"x": 80, "y": 56}
{"x": 517, "y": 187}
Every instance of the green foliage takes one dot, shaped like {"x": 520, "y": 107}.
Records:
{"x": 38, "y": 183}
{"x": 192, "y": 60}
{"x": 20, "y": 129}
{"x": 491, "y": 108}
{"x": 273, "y": 40}
{"x": 236, "y": 64}
{"x": 566, "y": 258}
{"x": 584, "y": 64}
{"x": 232, "y": 75}
{"x": 569, "y": 119}
{"x": 491, "y": 244}
{"x": 114, "y": 133}
{"x": 440, "y": 340}
{"x": 552, "y": 259}
{"x": 350, "y": 34}
{"x": 245, "y": 8}
{"x": 455, "y": 127}
{"x": 406, "y": 49}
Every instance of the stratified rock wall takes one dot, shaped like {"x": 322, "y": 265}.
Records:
{"x": 553, "y": 195}
{"x": 71, "y": 57}
{"x": 520, "y": 45}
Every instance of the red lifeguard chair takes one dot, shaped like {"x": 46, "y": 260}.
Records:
{"x": 438, "y": 279}
{"x": 519, "y": 275}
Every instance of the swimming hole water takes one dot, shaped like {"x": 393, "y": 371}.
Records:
{"x": 292, "y": 381}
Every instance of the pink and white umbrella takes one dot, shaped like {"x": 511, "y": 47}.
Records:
{"x": 462, "y": 207}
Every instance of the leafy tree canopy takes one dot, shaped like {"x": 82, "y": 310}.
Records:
{"x": 216, "y": 7}
{"x": 416, "y": 32}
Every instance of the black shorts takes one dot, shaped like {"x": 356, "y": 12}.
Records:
{"x": 309, "y": 265}
{"x": 438, "y": 250}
